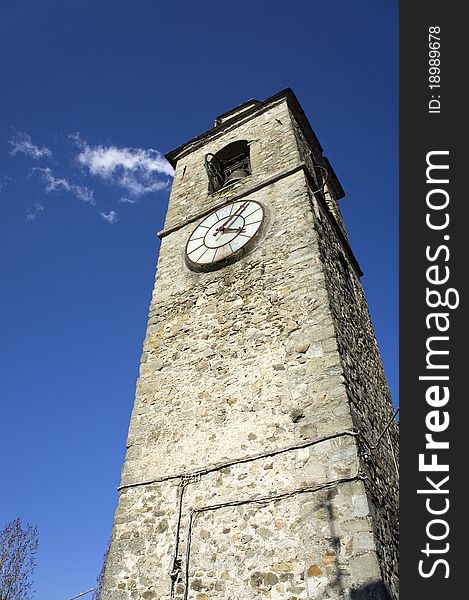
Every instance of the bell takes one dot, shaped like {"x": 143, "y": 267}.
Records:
{"x": 236, "y": 175}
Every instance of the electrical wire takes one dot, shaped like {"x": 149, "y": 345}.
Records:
{"x": 195, "y": 476}
{"x": 175, "y": 564}
{"x": 82, "y": 594}
{"x": 244, "y": 459}
{"x": 320, "y": 189}
{"x": 260, "y": 500}
{"x": 188, "y": 478}
{"x": 378, "y": 441}
{"x": 372, "y": 447}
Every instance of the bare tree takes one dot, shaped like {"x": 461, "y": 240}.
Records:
{"x": 18, "y": 549}
{"x": 99, "y": 581}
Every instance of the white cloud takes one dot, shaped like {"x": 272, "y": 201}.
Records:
{"x": 105, "y": 161}
{"x": 56, "y": 184}
{"x": 32, "y": 213}
{"x": 6, "y": 180}
{"x": 84, "y": 193}
{"x": 76, "y": 139}
{"x": 139, "y": 171}
{"x": 53, "y": 184}
{"x": 23, "y": 143}
{"x": 125, "y": 200}
{"x": 110, "y": 217}
{"x": 136, "y": 188}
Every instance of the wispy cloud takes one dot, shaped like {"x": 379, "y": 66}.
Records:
{"x": 139, "y": 171}
{"x": 110, "y": 217}
{"x": 57, "y": 184}
{"x": 52, "y": 183}
{"x": 83, "y": 193}
{"x": 133, "y": 172}
{"x": 5, "y": 181}
{"x": 22, "y": 143}
{"x": 32, "y": 213}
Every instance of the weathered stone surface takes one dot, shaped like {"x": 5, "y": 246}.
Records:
{"x": 370, "y": 402}
{"x": 241, "y": 367}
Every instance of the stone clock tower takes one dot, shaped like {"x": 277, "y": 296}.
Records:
{"x": 261, "y": 457}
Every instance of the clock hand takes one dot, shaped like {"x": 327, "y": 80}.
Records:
{"x": 231, "y": 218}
{"x": 223, "y": 230}
{"x": 237, "y": 214}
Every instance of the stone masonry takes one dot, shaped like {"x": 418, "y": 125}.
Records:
{"x": 251, "y": 470}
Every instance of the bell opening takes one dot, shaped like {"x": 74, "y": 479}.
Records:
{"x": 230, "y": 164}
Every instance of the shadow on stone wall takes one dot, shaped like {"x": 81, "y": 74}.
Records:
{"x": 375, "y": 590}
{"x": 335, "y": 540}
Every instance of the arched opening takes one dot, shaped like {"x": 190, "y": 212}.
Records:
{"x": 228, "y": 165}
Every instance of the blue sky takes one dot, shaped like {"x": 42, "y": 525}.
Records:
{"x": 93, "y": 94}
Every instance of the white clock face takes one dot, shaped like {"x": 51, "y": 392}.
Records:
{"x": 224, "y": 232}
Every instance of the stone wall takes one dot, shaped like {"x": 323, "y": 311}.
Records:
{"x": 370, "y": 400}
{"x": 312, "y": 157}
{"x": 242, "y": 476}
{"x": 273, "y": 148}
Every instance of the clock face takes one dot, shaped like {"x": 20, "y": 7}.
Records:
{"x": 224, "y": 233}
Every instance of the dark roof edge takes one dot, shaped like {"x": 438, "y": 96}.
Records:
{"x": 173, "y": 156}
{"x": 305, "y": 125}
{"x": 220, "y": 118}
